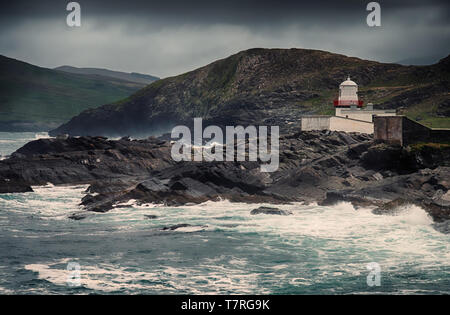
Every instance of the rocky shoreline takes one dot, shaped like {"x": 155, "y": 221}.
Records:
{"x": 319, "y": 166}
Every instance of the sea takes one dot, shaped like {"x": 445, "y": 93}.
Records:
{"x": 224, "y": 250}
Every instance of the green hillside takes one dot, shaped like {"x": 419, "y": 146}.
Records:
{"x": 32, "y": 97}
{"x": 143, "y": 79}
{"x": 270, "y": 87}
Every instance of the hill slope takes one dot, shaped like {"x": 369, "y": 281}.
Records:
{"x": 138, "y": 78}
{"x": 269, "y": 87}
{"x": 34, "y": 98}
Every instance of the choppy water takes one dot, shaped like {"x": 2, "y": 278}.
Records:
{"x": 322, "y": 250}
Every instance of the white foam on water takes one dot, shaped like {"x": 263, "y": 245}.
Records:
{"x": 47, "y": 202}
{"x": 41, "y": 135}
{"x": 130, "y": 202}
{"x": 190, "y": 229}
{"x": 5, "y": 291}
{"x": 393, "y": 240}
{"x": 109, "y": 278}
{"x": 408, "y": 236}
{"x": 103, "y": 278}
{"x": 397, "y": 243}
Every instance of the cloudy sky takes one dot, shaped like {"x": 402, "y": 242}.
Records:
{"x": 169, "y": 37}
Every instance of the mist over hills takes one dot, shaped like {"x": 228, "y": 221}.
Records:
{"x": 420, "y": 61}
{"x": 270, "y": 87}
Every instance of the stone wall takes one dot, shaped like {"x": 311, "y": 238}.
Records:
{"x": 334, "y": 123}
{"x": 350, "y": 125}
{"x": 364, "y": 113}
{"x": 440, "y": 135}
{"x": 388, "y": 129}
{"x": 413, "y": 132}
{"x": 315, "y": 122}
{"x": 404, "y": 131}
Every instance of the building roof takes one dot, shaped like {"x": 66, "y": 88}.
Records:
{"x": 349, "y": 82}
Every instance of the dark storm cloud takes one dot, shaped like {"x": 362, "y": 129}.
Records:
{"x": 230, "y": 11}
{"x": 173, "y": 36}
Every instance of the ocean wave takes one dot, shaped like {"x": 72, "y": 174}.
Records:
{"x": 310, "y": 249}
{"x": 45, "y": 202}
{"x": 41, "y": 135}
{"x": 109, "y": 278}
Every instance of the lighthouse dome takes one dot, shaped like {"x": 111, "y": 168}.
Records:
{"x": 348, "y": 93}
{"x": 348, "y": 82}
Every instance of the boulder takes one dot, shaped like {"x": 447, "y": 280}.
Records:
{"x": 270, "y": 210}
{"x": 12, "y": 186}
{"x": 393, "y": 207}
{"x": 178, "y": 226}
{"x": 334, "y": 197}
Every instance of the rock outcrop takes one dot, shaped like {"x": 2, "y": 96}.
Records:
{"x": 270, "y": 210}
{"x": 322, "y": 166}
{"x": 83, "y": 160}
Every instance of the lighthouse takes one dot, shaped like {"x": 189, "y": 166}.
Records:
{"x": 348, "y": 95}
{"x": 350, "y": 115}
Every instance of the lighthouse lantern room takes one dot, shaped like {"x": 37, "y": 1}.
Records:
{"x": 348, "y": 95}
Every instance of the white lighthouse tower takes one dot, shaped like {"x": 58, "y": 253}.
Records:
{"x": 350, "y": 114}
{"x": 348, "y": 94}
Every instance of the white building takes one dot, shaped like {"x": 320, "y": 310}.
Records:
{"x": 350, "y": 115}
{"x": 348, "y": 93}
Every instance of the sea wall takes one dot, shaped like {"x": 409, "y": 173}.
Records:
{"x": 404, "y": 131}
{"x": 388, "y": 129}
{"x": 335, "y": 123}
{"x": 350, "y": 125}
{"x": 315, "y": 122}
{"x": 363, "y": 114}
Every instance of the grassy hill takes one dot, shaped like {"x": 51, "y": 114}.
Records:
{"x": 138, "y": 78}
{"x": 34, "y": 98}
{"x": 271, "y": 87}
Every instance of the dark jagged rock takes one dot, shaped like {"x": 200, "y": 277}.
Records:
{"x": 393, "y": 207}
{"x": 334, "y": 197}
{"x": 78, "y": 216}
{"x": 319, "y": 166}
{"x": 270, "y": 210}
{"x": 178, "y": 226}
{"x": 13, "y": 185}
{"x": 83, "y": 160}
{"x": 150, "y": 216}
{"x": 443, "y": 227}
{"x": 193, "y": 183}
{"x": 174, "y": 227}
{"x": 404, "y": 160}
{"x": 440, "y": 212}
